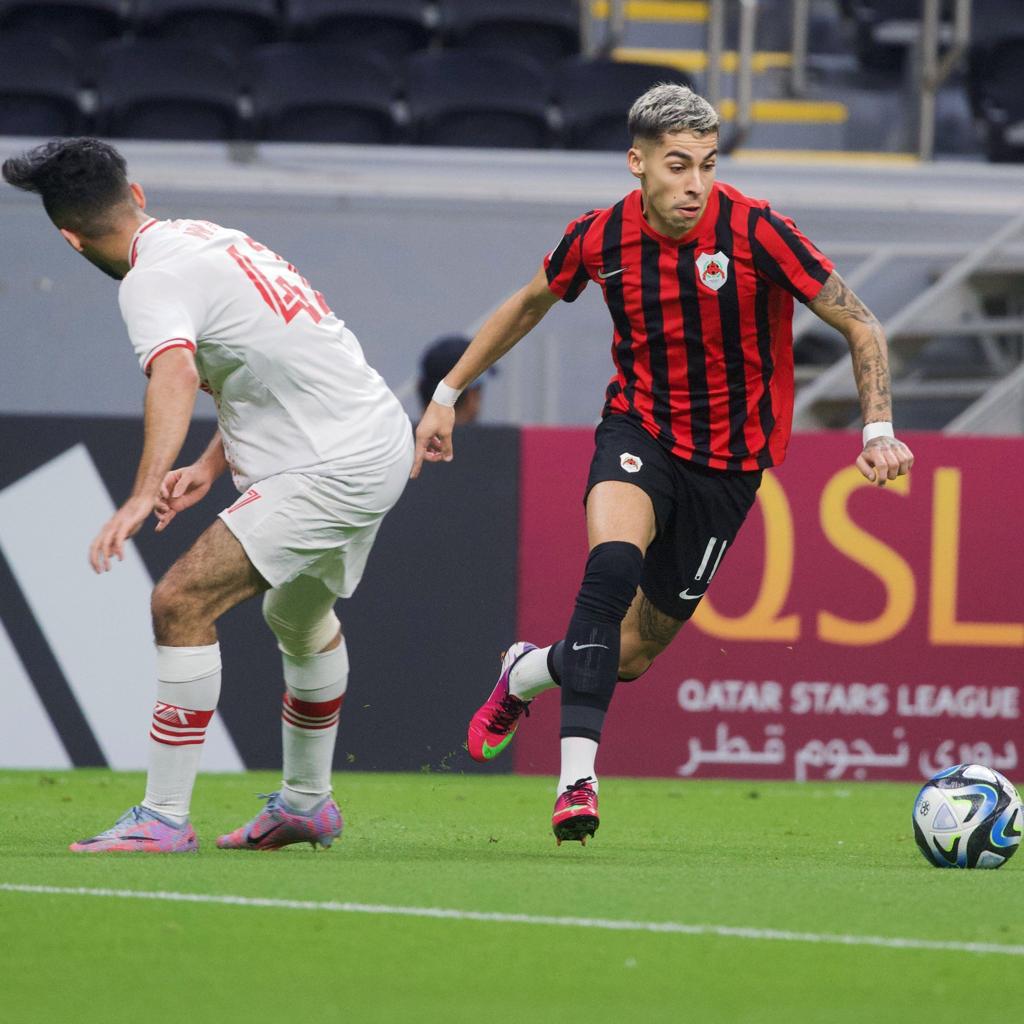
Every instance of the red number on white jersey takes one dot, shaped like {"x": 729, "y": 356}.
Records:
{"x": 284, "y": 297}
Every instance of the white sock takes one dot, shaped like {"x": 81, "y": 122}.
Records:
{"x": 315, "y": 687}
{"x": 530, "y": 675}
{"x": 578, "y": 757}
{"x": 188, "y": 685}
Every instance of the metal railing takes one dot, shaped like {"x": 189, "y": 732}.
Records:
{"x": 744, "y": 117}
{"x": 800, "y": 16}
{"x": 912, "y": 323}
{"x": 999, "y": 411}
{"x": 601, "y": 43}
{"x": 931, "y": 68}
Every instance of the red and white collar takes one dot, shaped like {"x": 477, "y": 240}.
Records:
{"x": 134, "y": 251}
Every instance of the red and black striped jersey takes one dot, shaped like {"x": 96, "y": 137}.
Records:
{"x": 703, "y": 324}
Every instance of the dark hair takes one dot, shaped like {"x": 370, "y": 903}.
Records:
{"x": 80, "y": 181}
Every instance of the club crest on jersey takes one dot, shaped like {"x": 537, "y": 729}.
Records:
{"x": 630, "y": 463}
{"x": 713, "y": 268}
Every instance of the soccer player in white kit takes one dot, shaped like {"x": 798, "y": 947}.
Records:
{"x": 317, "y": 445}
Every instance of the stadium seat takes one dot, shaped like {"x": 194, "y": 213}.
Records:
{"x": 393, "y": 28}
{"x": 232, "y": 25}
{"x": 39, "y": 88}
{"x": 80, "y": 24}
{"x": 994, "y": 83}
{"x": 307, "y": 93}
{"x": 884, "y": 30}
{"x": 595, "y": 97}
{"x": 164, "y": 89}
{"x": 992, "y": 20}
{"x": 546, "y": 30}
{"x": 478, "y": 98}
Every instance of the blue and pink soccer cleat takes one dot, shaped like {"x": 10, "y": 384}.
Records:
{"x": 575, "y": 816}
{"x": 492, "y": 727}
{"x": 140, "y": 830}
{"x": 277, "y": 826}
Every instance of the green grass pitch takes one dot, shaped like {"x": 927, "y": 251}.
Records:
{"x": 823, "y": 860}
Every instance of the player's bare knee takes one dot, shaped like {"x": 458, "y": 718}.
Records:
{"x": 167, "y": 607}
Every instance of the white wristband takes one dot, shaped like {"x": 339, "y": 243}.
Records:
{"x": 444, "y": 395}
{"x": 873, "y": 430}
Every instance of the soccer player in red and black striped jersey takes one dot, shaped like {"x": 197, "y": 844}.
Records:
{"x": 700, "y": 281}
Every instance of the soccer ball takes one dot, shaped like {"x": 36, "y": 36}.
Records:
{"x": 968, "y": 816}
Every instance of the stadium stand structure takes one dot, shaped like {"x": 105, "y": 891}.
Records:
{"x": 235, "y": 25}
{"x": 488, "y": 98}
{"x": 394, "y": 28}
{"x": 861, "y": 59}
{"x": 39, "y": 87}
{"x": 856, "y": 91}
{"x": 884, "y": 30}
{"x": 592, "y": 95}
{"x": 955, "y": 330}
{"x": 141, "y": 93}
{"x": 297, "y": 94}
{"x": 540, "y": 29}
{"x": 81, "y": 24}
{"x": 997, "y": 99}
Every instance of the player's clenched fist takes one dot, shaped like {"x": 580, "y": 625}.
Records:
{"x": 885, "y": 458}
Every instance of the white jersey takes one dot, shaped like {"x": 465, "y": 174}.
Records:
{"x": 293, "y": 389}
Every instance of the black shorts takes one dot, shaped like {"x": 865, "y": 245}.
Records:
{"x": 698, "y": 511}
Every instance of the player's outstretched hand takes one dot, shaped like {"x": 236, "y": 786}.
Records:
{"x": 124, "y": 523}
{"x": 181, "y": 489}
{"x": 885, "y": 458}
{"x": 434, "y": 436}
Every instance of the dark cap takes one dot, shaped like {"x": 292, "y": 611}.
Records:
{"x": 438, "y": 358}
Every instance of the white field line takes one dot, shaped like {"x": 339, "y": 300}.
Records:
{"x": 669, "y": 927}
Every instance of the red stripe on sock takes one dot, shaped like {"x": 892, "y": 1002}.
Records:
{"x": 177, "y": 741}
{"x": 312, "y": 709}
{"x": 311, "y": 715}
{"x": 305, "y": 723}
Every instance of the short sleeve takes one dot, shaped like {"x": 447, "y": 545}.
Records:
{"x": 786, "y": 257}
{"x": 564, "y": 265}
{"x": 158, "y": 313}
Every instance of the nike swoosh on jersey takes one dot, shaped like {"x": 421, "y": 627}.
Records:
{"x": 611, "y": 273}
{"x": 687, "y": 596}
{"x": 582, "y": 647}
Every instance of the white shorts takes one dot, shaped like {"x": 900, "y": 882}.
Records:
{"x": 305, "y": 524}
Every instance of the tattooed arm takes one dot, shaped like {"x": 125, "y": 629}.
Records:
{"x": 883, "y": 458}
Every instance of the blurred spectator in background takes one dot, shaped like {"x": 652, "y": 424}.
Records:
{"x": 438, "y": 358}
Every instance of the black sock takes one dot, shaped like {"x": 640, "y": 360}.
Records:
{"x": 590, "y": 653}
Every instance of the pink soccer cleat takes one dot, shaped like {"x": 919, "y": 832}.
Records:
{"x": 277, "y": 826}
{"x": 140, "y": 830}
{"x": 492, "y": 727}
{"x": 575, "y": 816}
